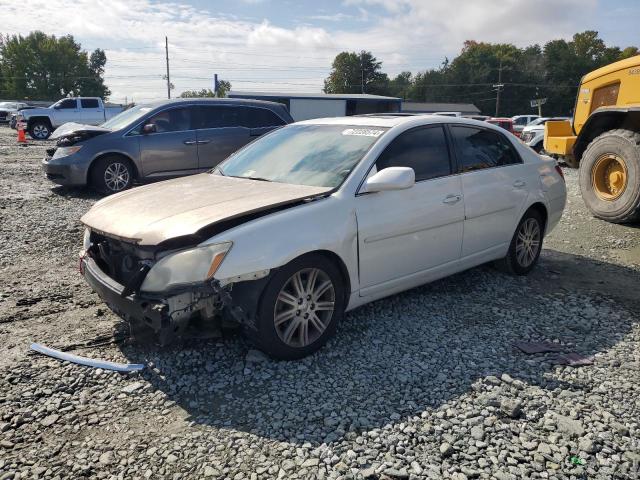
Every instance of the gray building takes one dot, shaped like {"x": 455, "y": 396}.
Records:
{"x": 303, "y": 106}
{"x": 426, "y": 107}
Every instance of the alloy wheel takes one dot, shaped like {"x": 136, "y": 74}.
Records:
{"x": 528, "y": 242}
{"x": 304, "y": 307}
{"x": 116, "y": 176}
{"x": 40, "y": 131}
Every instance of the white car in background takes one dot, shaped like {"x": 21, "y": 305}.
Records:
{"x": 533, "y": 134}
{"x": 9, "y": 108}
{"x": 521, "y": 121}
{"x": 317, "y": 218}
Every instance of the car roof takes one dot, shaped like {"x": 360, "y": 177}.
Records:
{"x": 221, "y": 101}
{"x": 390, "y": 121}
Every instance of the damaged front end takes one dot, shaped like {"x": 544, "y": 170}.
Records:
{"x": 69, "y": 135}
{"x": 123, "y": 275}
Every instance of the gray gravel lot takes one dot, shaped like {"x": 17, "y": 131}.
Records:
{"x": 425, "y": 384}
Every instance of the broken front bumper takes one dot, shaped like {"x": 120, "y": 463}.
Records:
{"x": 151, "y": 312}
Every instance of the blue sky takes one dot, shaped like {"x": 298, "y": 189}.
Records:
{"x": 288, "y": 45}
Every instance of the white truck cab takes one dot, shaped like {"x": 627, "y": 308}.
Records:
{"x": 41, "y": 122}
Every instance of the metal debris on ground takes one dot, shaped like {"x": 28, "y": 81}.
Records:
{"x": 88, "y": 362}
{"x": 574, "y": 360}
{"x": 538, "y": 347}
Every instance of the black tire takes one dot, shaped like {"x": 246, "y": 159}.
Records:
{"x": 624, "y": 144}
{"x": 538, "y": 148}
{"x": 40, "y": 130}
{"x": 266, "y": 336}
{"x": 512, "y": 263}
{"x": 112, "y": 174}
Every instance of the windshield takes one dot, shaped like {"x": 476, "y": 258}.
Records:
{"x": 125, "y": 118}
{"x": 314, "y": 155}
{"x": 7, "y": 105}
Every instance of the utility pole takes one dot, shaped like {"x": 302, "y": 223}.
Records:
{"x": 499, "y": 86}
{"x": 362, "y": 71}
{"x": 166, "y": 50}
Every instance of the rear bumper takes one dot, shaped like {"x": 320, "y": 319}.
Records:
{"x": 133, "y": 308}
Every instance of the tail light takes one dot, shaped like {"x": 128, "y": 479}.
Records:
{"x": 559, "y": 170}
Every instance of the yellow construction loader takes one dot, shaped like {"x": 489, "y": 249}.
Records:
{"x": 603, "y": 140}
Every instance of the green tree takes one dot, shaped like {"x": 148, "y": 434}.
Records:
{"x": 223, "y": 88}
{"x": 356, "y": 73}
{"x": 45, "y": 67}
{"x": 400, "y": 85}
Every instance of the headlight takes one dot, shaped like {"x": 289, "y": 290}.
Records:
{"x": 86, "y": 241}
{"x": 190, "y": 266}
{"x": 66, "y": 151}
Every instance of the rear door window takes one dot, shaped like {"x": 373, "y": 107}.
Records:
{"x": 89, "y": 103}
{"x": 220, "y": 116}
{"x": 477, "y": 149}
{"x": 424, "y": 149}
{"x": 262, "y": 117}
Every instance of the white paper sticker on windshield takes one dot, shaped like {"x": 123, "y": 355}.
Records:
{"x": 363, "y": 132}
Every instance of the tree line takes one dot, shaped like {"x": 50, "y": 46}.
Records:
{"x": 46, "y": 67}
{"x": 552, "y": 71}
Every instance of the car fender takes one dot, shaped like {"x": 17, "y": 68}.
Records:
{"x": 268, "y": 242}
{"x": 111, "y": 151}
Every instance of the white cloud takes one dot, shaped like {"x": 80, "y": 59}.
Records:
{"x": 259, "y": 55}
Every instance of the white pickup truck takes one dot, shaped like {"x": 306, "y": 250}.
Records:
{"x": 41, "y": 122}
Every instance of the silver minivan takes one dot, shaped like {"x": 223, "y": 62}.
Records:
{"x": 157, "y": 141}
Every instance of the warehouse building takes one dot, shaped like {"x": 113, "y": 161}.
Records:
{"x": 304, "y": 106}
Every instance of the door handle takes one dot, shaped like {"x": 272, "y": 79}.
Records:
{"x": 189, "y": 142}
{"x": 203, "y": 142}
{"x": 519, "y": 183}
{"x": 451, "y": 199}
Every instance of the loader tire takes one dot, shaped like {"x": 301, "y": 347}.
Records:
{"x": 610, "y": 176}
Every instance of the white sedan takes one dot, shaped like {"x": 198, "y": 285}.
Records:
{"x": 317, "y": 218}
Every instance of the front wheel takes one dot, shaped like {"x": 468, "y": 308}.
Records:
{"x": 300, "y": 308}
{"x": 610, "y": 176}
{"x": 112, "y": 174}
{"x": 525, "y": 246}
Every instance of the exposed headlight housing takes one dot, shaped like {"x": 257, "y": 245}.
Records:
{"x": 66, "y": 151}
{"x": 186, "y": 267}
{"x": 86, "y": 240}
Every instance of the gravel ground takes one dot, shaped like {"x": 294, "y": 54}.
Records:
{"x": 425, "y": 384}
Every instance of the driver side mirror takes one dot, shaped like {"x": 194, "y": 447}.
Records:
{"x": 391, "y": 178}
{"x": 149, "y": 128}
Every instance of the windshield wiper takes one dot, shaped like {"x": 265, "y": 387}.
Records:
{"x": 260, "y": 179}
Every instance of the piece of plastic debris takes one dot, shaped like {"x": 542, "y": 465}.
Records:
{"x": 88, "y": 362}
{"x": 538, "y": 347}
{"x": 574, "y": 360}
{"x": 576, "y": 461}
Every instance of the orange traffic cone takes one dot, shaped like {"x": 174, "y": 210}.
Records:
{"x": 21, "y": 136}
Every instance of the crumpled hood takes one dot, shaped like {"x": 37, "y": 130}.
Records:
{"x": 72, "y": 128}
{"x": 154, "y": 213}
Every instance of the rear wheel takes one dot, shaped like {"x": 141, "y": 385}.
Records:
{"x": 112, "y": 174}
{"x": 300, "y": 308}
{"x": 610, "y": 176}
{"x": 40, "y": 130}
{"x": 525, "y": 246}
